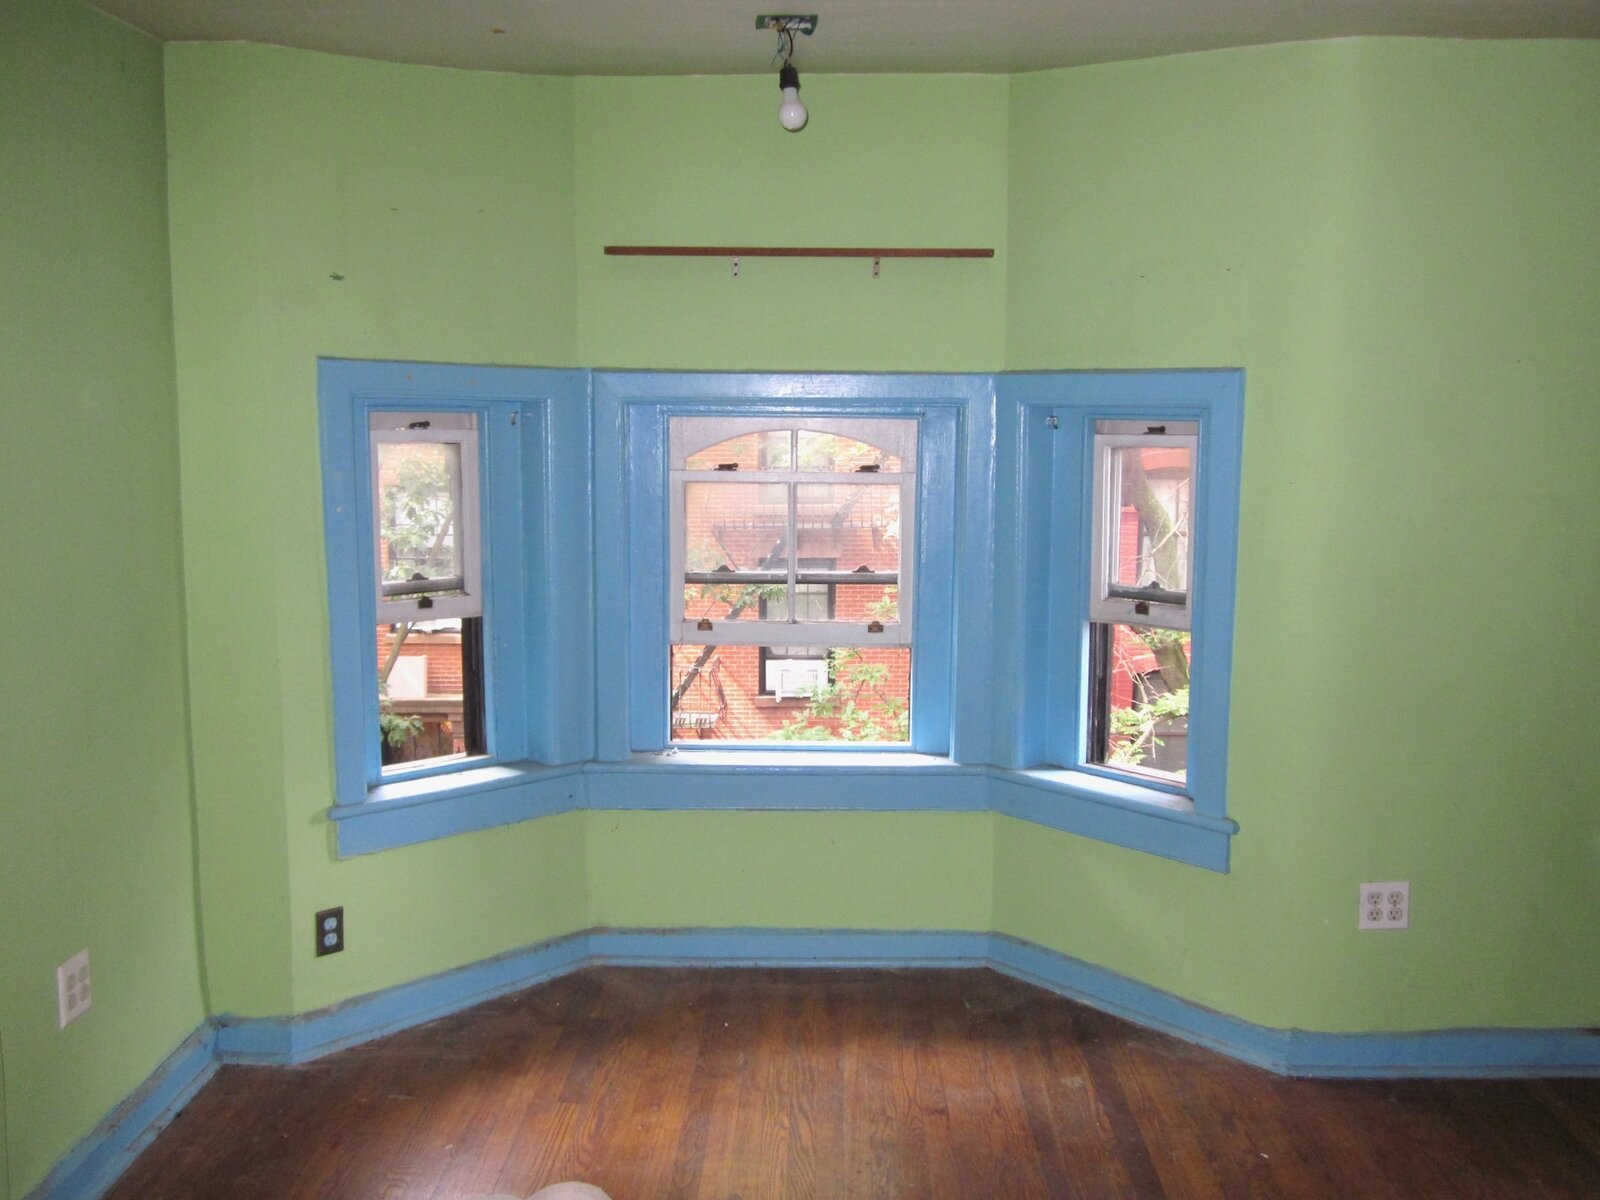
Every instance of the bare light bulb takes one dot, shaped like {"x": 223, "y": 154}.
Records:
{"x": 791, "y": 112}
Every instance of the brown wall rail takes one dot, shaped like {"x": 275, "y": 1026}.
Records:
{"x": 805, "y": 251}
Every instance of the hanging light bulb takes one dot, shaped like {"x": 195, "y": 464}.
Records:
{"x": 791, "y": 111}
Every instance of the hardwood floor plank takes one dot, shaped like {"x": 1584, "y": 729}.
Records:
{"x": 751, "y": 1084}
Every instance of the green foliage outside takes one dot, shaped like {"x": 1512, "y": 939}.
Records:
{"x": 855, "y": 705}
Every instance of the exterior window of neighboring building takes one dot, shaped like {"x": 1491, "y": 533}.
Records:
{"x": 1141, "y": 601}
{"x": 789, "y": 545}
{"x": 429, "y": 587}
{"x": 796, "y": 673}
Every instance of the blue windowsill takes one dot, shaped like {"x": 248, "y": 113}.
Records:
{"x": 1111, "y": 810}
{"x": 784, "y": 758}
{"x": 761, "y": 779}
{"x": 755, "y": 779}
{"x": 408, "y": 811}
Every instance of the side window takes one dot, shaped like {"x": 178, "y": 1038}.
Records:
{"x": 1143, "y": 535}
{"x": 429, "y": 588}
{"x": 791, "y": 542}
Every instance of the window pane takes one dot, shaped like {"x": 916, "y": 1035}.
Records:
{"x": 851, "y": 694}
{"x": 418, "y": 486}
{"x": 729, "y": 529}
{"x": 812, "y": 602}
{"x": 856, "y": 526}
{"x": 866, "y": 602}
{"x": 835, "y": 452}
{"x": 735, "y": 527}
{"x": 749, "y": 452}
{"x": 1154, "y": 499}
{"x": 429, "y": 690}
{"x": 1140, "y": 706}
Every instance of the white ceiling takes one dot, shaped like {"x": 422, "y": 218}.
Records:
{"x": 709, "y": 37}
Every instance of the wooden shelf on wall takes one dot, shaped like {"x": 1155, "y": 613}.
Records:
{"x": 804, "y": 251}
{"x": 734, "y": 253}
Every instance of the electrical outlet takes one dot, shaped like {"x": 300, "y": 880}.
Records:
{"x": 330, "y": 931}
{"x": 1385, "y": 906}
{"x": 73, "y": 992}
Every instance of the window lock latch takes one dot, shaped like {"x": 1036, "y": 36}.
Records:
{"x": 703, "y": 625}
{"x": 874, "y": 626}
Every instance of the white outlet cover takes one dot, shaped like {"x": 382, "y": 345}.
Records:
{"x": 1384, "y": 906}
{"x": 74, "y": 993}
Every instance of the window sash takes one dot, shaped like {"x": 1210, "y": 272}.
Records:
{"x": 413, "y": 600}
{"x": 1113, "y": 602}
{"x": 689, "y": 435}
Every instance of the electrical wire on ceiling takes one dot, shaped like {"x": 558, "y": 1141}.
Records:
{"x": 792, "y": 114}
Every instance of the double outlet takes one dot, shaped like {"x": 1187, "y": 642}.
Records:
{"x": 74, "y": 989}
{"x": 75, "y": 985}
{"x": 1385, "y": 906}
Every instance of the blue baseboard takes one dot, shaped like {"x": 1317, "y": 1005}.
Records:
{"x": 90, "y": 1169}
{"x": 1475, "y": 1053}
{"x": 1459, "y": 1053}
{"x": 785, "y": 948}
{"x": 297, "y": 1039}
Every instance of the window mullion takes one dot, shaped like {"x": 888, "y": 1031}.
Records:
{"x": 792, "y": 537}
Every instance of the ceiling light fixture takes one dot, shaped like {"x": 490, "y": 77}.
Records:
{"x": 792, "y": 113}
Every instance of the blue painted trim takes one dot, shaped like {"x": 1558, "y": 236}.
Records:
{"x": 680, "y": 783}
{"x": 786, "y": 948}
{"x": 310, "y": 1035}
{"x": 1080, "y": 807}
{"x": 1459, "y": 1053}
{"x": 782, "y": 780}
{"x": 974, "y": 679}
{"x": 403, "y": 814}
{"x": 631, "y": 410}
{"x": 1138, "y": 1002}
{"x": 1448, "y": 1053}
{"x": 579, "y": 512}
{"x": 95, "y": 1163}
{"x": 90, "y": 1169}
{"x": 533, "y": 445}
{"x": 1048, "y": 570}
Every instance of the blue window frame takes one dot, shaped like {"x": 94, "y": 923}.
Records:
{"x": 531, "y": 430}
{"x": 1044, "y": 626}
{"x": 632, "y": 494}
{"x": 575, "y": 514}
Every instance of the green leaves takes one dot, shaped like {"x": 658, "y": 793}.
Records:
{"x": 856, "y": 705}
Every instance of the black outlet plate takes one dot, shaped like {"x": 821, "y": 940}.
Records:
{"x": 330, "y": 931}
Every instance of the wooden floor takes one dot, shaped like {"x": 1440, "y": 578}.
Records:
{"x": 751, "y": 1084}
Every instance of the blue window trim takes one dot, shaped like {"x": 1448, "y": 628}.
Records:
{"x": 1047, "y": 423}
{"x": 533, "y": 445}
{"x": 631, "y": 414}
{"x": 576, "y": 546}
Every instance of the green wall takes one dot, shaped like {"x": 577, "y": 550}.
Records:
{"x": 886, "y": 161}
{"x": 807, "y": 870}
{"x": 1391, "y": 237}
{"x": 446, "y": 201}
{"x": 95, "y": 842}
{"x": 1396, "y": 239}
{"x": 1400, "y": 242}
{"x": 332, "y": 206}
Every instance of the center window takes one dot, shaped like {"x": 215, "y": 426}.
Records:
{"x": 791, "y": 603}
